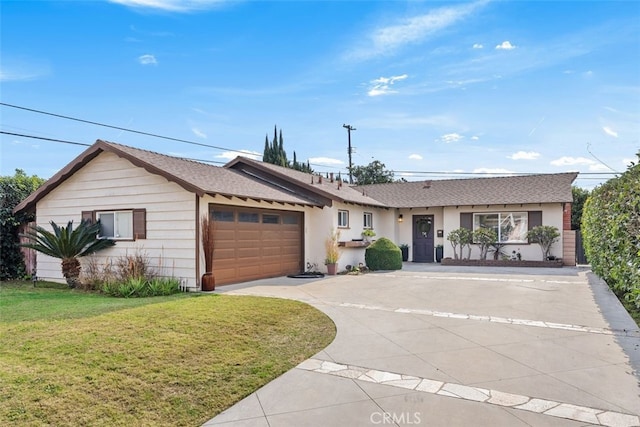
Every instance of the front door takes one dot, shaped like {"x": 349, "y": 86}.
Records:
{"x": 423, "y": 238}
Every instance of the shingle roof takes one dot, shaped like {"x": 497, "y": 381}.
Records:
{"x": 251, "y": 179}
{"x": 193, "y": 176}
{"x": 546, "y": 188}
{"x": 312, "y": 183}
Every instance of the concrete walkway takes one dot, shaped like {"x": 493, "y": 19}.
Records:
{"x": 452, "y": 346}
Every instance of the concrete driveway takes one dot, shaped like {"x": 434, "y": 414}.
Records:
{"x": 446, "y": 346}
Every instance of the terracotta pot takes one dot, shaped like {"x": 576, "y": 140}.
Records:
{"x": 332, "y": 269}
{"x": 208, "y": 282}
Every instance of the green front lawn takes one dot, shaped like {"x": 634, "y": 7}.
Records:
{"x": 75, "y": 358}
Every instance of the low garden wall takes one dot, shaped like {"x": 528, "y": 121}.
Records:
{"x": 501, "y": 263}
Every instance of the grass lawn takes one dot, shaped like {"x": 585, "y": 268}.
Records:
{"x": 74, "y": 358}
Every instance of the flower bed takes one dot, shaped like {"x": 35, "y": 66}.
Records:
{"x": 557, "y": 263}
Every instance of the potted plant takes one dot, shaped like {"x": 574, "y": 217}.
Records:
{"x": 208, "y": 282}
{"x": 332, "y": 252}
{"x": 367, "y": 234}
{"x": 439, "y": 253}
{"x": 404, "y": 248}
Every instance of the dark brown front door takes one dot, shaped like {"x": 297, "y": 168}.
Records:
{"x": 423, "y": 238}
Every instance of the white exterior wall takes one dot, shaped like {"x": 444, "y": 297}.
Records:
{"x": 110, "y": 182}
{"x": 405, "y": 228}
{"x": 320, "y": 222}
{"x": 551, "y": 215}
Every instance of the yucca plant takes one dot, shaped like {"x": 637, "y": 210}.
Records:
{"x": 67, "y": 244}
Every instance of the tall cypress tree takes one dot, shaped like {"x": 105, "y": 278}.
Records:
{"x": 275, "y": 153}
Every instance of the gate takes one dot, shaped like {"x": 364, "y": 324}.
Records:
{"x": 581, "y": 257}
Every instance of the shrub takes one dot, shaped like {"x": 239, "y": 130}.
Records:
{"x": 545, "y": 236}
{"x": 383, "y": 254}
{"x": 460, "y": 237}
{"x": 140, "y": 287}
{"x": 484, "y": 237}
{"x": 611, "y": 230}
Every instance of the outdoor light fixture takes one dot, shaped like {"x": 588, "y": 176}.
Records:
{"x": 400, "y": 218}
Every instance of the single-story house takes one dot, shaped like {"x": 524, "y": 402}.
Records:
{"x": 272, "y": 221}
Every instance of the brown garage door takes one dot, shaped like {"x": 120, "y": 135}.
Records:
{"x": 255, "y": 243}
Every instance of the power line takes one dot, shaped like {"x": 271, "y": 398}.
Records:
{"x": 422, "y": 174}
{"x": 350, "y": 151}
{"x": 45, "y": 139}
{"x": 185, "y": 141}
{"x": 133, "y": 131}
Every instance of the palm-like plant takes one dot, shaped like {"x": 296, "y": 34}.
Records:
{"x": 68, "y": 244}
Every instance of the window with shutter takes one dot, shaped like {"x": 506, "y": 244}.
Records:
{"x": 124, "y": 224}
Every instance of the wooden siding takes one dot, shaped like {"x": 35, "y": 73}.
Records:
{"x": 110, "y": 182}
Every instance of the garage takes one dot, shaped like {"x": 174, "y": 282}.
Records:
{"x": 255, "y": 244}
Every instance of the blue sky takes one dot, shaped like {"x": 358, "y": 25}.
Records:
{"x": 485, "y": 86}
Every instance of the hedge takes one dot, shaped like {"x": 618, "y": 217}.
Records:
{"x": 611, "y": 231}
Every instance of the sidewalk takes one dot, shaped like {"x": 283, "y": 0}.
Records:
{"x": 445, "y": 347}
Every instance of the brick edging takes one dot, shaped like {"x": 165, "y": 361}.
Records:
{"x": 501, "y": 263}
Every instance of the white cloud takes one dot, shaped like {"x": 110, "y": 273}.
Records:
{"x": 599, "y": 167}
{"x": 244, "y": 153}
{"x": 197, "y": 132}
{"x": 327, "y": 161}
{"x": 382, "y": 85}
{"x": 610, "y": 131}
{"x": 492, "y": 171}
{"x": 475, "y": 138}
{"x": 413, "y": 30}
{"x": 505, "y": 45}
{"x": 147, "y": 60}
{"x": 415, "y": 157}
{"x": 572, "y": 161}
{"x": 171, "y": 5}
{"x": 524, "y": 155}
{"x": 450, "y": 137}
{"x": 478, "y": 46}
{"x": 23, "y": 69}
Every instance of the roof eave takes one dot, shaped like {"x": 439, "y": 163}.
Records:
{"x": 29, "y": 204}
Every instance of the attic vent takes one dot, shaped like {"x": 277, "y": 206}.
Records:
{"x": 427, "y": 184}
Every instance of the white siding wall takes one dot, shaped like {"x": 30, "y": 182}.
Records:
{"x": 110, "y": 182}
{"x": 551, "y": 215}
{"x": 320, "y": 222}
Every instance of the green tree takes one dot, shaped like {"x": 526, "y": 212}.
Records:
{"x": 460, "y": 237}
{"x": 484, "y": 237}
{"x": 14, "y": 189}
{"x": 275, "y": 154}
{"x": 611, "y": 231}
{"x": 68, "y": 245}
{"x": 579, "y": 198}
{"x": 374, "y": 173}
{"x": 545, "y": 236}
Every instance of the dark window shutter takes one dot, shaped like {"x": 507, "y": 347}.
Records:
{"x": 89, "y": 216}
{"x": 535, "y": 219}
{"x": 139, "y": 224}
{"x": 466, "y": 220}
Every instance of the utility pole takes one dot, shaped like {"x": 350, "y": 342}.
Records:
{"x": 349, "y": 128}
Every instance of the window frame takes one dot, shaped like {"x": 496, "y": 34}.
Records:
{"x": 368, "y": 215}
{"x": 116, "y": 214}
{"x": 500, "y": 218}
{"x": 343, "y": 218}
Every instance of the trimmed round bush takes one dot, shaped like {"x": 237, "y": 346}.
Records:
{"x": 383, "y": 254}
